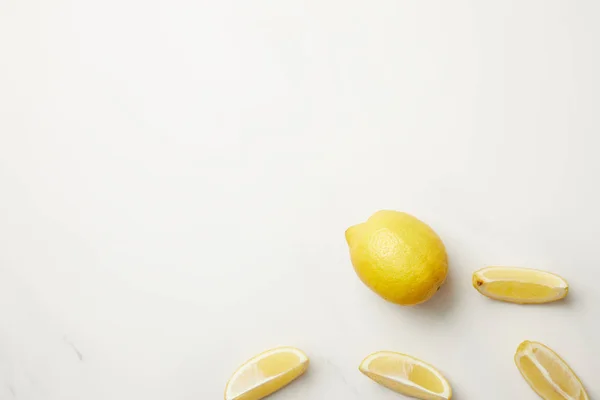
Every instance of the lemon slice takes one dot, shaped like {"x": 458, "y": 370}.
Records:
{"x": 266, "y": 373}
{"x": 547, "y": 373}
{"x": 406, "y": 375}
{"x": 520, "y": 285}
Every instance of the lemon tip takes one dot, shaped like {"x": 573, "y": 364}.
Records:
{"x": 477, "y": 280}
{"x": 350, "y": 233}
{"x": 521, "y": 347}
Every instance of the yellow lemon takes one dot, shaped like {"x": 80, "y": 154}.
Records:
{"x": 406, "y": 375}
{"x": 398, "y": 256}
{"x": 547, "y": 373}
{"x": 266, "y": 373}
{"x": 520, "y": 285}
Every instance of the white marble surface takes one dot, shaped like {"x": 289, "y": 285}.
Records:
{"x": 176, "y": 178}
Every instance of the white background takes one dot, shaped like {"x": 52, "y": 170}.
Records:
{"x": 176, "y": 178}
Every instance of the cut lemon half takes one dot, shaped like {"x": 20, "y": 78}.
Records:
{"x": 547, "y": 373}
{"x": 266, "y": 373}
{"x": 520, "y": 285}
{"x": 406, "y": 375}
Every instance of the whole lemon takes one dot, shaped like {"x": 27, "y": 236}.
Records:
{"x": 398, "y": 256}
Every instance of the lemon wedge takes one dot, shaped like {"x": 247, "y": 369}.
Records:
{"x": 406, "y": 375}
{"x": 520, "y": 285}
{"x": 547, "y": 373}
{"x": 266, "y": 373}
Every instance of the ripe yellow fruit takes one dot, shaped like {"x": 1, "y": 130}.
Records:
{"x": 398, "y": 256}
{"x": 266, "y": 373}
{"x": 520, "y": 285}
{"x": 547, "y": 373}
{"x": 406, "y": 375}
